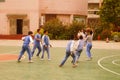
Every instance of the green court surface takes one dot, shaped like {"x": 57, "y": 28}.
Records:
{"x": 105, "y": 65}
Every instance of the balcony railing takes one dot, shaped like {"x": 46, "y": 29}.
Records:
{"x": 93, "y": 16}
{"x": 93, "y": 1}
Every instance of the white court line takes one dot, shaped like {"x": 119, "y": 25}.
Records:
{"x": 99, "y": 63}
{"x": 114, "y": 62}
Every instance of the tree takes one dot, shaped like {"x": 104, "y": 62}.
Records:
{"x": 110, "y": 13}
{"x": 55, "y": 28}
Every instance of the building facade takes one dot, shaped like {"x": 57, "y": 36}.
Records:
{"x": 93, "y": 9}
{"x": 20, "y": 16}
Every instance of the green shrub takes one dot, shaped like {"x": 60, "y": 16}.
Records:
{"x": 103, "y": 30}
{"x": 115, "y": 34}
{"x": 97, "y": 32}
{"x": 75, "y": 27}
{"x": 54, "y": 27}
{"x": 59, "y": 31}
{"x": 105, "y": 34}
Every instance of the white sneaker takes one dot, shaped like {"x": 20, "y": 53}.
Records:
{"x": 74, "y": 65}
{"x": 42, "y": 59}
{"x": 30, "y": 61}
{"x": 49, "y": 59}
{"x": 89, "y": 59}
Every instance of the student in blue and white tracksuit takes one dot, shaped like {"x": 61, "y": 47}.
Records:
{"x": 79, "y": 47}
{"x": 45, "y": 45}
{"x": 69, "y": 52}
{"x": 37, "y": 40}
{"x": 26, "y": 47}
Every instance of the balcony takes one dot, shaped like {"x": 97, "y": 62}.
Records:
{"x": 94, "y": 1}
{"x": 93, "y": 16}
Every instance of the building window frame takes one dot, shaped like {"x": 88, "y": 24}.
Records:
{"x": 2, "y": 0}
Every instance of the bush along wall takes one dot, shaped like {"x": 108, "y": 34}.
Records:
{"x": 59, "y": 31}
{"x": 115, "y": 36}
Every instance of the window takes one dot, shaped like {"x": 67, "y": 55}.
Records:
{"x": 79, "y": 18}
{"x": 93, "y": 12}
{"x": 93, "y": 6}
{"x": 2, "y": 0}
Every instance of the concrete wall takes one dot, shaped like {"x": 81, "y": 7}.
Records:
{"x": 64, "y": 9}
{"x": 19, "y": 7}
{"x": 64, "y": 6}
{"x": 33, "y": 9}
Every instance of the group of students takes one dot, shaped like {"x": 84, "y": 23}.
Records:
{"x": 41, "y": 42}
{"x": 74, "y": 48}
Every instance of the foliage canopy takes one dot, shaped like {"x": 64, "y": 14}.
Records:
{"x": 110, "y": 12}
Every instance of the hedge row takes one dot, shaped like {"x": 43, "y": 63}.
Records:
{"x": 59, "y": 31}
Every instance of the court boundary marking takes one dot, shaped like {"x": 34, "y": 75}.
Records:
{"x": 106, "y": 69}
{"x": 7, "y": 60}
{"x": 114, "y": 62}
{"x": 10, "y": 53}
